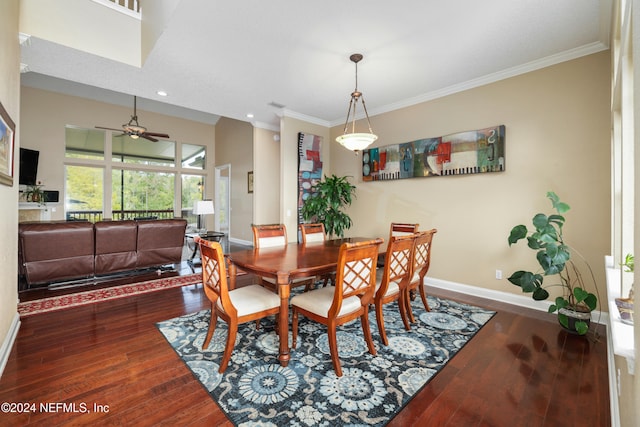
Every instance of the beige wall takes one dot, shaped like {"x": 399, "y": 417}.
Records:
{"x": 45, "y": 115}
{"x": 557, "y": 138}
{"x": 10, "y": 99}
{"x": 234, "y": 145}
{"x": 266, "y": 170}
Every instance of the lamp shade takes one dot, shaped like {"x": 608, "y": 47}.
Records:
{"x": 203, "y": 207}
{"x": 356, "y": 141}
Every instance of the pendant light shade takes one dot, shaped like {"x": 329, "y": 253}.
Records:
{"x": 350, "y": 139}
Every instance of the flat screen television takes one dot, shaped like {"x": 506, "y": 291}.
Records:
{"x": 28, "y": 166}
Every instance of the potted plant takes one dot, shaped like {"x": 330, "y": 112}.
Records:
{"x": 328, "y": 199}
{"x": 554, "y": 256}
{"x": 625, "y": 305}
{"x": 34, "y": 193}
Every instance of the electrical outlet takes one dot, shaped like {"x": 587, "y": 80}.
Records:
{"x": 498, "y": 274}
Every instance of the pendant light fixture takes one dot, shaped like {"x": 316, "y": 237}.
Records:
{"x": 351, "y": 139}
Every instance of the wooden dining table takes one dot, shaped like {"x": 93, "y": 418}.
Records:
{"x": 285, "y": 264}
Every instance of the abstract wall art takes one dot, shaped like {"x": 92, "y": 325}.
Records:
{"x": 309, "y": 167}
{"x": 462, "y": 153}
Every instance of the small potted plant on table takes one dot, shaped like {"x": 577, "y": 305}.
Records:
{"x": 34, "y": 193}
{"x": 625, "y": 305}
{"x": 554, "y": 256}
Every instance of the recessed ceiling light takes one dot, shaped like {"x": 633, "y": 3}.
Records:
{"x": 161, "y": 93}
{"x": 250, "y": 116}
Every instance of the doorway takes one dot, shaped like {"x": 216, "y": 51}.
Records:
{"x": 223, "y": 199}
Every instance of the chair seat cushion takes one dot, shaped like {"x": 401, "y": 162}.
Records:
{"x": 252, "y": 299}
{"x": 319, "y": 301}
{"x": 393, "y": 288}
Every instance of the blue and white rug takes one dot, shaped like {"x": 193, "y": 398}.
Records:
{"x": 256, "y": 391}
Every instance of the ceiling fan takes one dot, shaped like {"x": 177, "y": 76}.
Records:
{"x": 134, "y": 130}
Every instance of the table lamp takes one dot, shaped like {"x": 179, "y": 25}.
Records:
{"x": 200, "y": 208}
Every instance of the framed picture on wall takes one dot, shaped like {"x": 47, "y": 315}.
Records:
{"x": 250, "y": 182}
{"x": 7, "y": 130}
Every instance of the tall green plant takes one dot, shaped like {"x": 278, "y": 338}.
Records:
{"x": 554, "y": 257}
{"x": 329, "y": 197}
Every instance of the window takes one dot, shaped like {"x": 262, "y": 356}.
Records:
{"x": 142, "y": 151}
{"x": 193, "y": 156}
{"x": 192, "y": 190}
{"x": 142, "y": 194}
{"x": 84, "y": 143}
{"x": 84, "y": 193}
{"x": 110, "y": 175}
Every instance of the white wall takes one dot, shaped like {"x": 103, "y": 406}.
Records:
{"x": 10, "y": 99}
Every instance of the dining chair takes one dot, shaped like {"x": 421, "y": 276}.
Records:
{"x": 421, "y": 263}
{"x": 347, "y": 300}
{"x": 312, "y": 233}
{"x": 274, "y": 236}
{"x": 269, "y": 235}
{"x": 393, "y": 278}
{"x": 315, "y": 233}
{"x": 245, "y": 304}
{"x": 402, "y": 229}
{"x": 399, "y": 229}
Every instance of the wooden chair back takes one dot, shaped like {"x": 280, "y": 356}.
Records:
{"x": 422, "y": 256}
{"x": 269, "y": 235}
{"x": 355, "y": 273}
{"x": 214, "y": 275}
{"x": 398, "y": 266}
{"x": 312, "y": 233}
{"x": 402, "y": 229}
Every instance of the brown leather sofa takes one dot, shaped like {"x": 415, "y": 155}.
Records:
{"x": 60, "y": 251}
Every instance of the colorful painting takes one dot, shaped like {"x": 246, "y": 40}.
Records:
{"x": 462, "y": 153}
{"x": 7, "y": 129}
{"x": 309, "y": 167}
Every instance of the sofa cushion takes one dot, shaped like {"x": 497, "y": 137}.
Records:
{"x": 115, "y": 246}
{"x": 53, "y": 251}
{"x": 160, "y": 242}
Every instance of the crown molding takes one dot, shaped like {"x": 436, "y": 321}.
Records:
{"x": 295, "y": 115}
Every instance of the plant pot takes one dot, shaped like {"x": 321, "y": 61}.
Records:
{"x": 574, "y": 315}
{"x": 625, "y": 307}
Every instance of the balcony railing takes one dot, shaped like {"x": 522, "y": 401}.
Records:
{"x": 133, "y": 5}
{"x": 95, "y": 215}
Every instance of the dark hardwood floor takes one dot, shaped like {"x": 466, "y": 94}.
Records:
{"x": 521, "y": 369}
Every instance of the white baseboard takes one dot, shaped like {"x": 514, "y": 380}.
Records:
{"x": 506, "y": 297}
{"x": 9, "y": 339}
{"x": 240, "y": 241}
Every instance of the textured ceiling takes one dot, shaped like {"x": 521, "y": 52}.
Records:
{"x": 231, "y": 58}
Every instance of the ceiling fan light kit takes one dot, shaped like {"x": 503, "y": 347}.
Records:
{"x": 356, "y": 141}
{"x": 134, "y": 130}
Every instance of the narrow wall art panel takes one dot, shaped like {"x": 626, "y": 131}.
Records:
{"x": 461, "y": 153}
{"x": 309, "y": 167}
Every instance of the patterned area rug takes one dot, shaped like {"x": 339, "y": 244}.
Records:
{"x": 43, "y": 305}
{"x": 256, "y": 391}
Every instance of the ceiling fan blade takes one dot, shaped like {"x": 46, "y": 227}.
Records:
{"x": 146, "y": 136}
{"x": 102, "y": 127}
{"x": 161, "y": 135}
